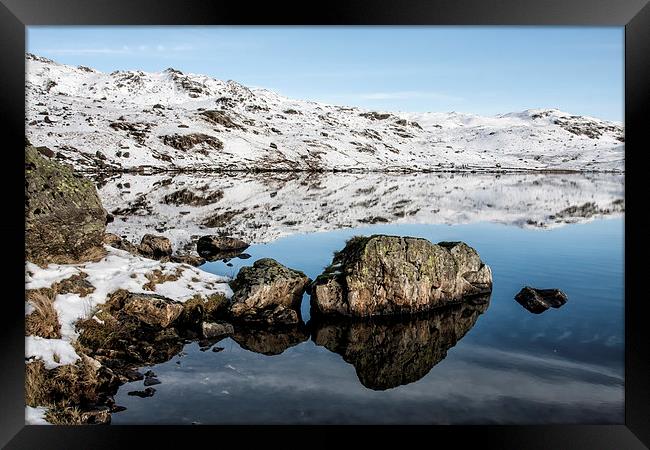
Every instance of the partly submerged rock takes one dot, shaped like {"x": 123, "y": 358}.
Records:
{"x": 211, "y": 330}
{"x": 268, "y": 292}
{"x": 148, "y": 392}
{"x": 64, "y": 218}
{"x": 215, "y": 247}
{"x": 381, "y": 274}
{"x": 539, "y": 300}
{"x": 387, "y": 352}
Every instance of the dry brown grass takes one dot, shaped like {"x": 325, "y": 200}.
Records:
{"x": 158, "y": 277}
{"x": 68, "y": 385}
{"x": 64, "y": 415}
{"x": 75, "y": 284}
{"x": 44, "y": 321}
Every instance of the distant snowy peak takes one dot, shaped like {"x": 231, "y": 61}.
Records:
{"x": 135, "y": 120}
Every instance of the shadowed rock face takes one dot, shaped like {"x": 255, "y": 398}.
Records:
{"x": 390, "y": 352}
{"x": 381, "y": 275}
{"x": 270, "y": 341}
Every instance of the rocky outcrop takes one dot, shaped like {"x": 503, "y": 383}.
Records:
{"x": 387, "y": 352}
{"x": 64, "y": 218}
{"x": 539, "y": 300}
{"x": 152, "y": 247}
{"x": 189, "y": 141}
{"x": 219, "y": 247}
{"x": 155, "y": 247}
{"x": 268, "y": 292}
{"x": 154, "y": 310}
{"x": 132, "y": 330}
{"x": 381, "y": 274}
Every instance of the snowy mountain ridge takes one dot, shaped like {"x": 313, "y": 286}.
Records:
{"x": 137, "y": 121}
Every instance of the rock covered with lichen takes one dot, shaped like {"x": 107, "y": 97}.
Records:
{"x": 64, "y": 218}
{"x": 268, "y": 292}
{"x": 382, "y": 274}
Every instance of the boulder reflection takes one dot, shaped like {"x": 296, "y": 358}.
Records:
{"x": 270, "y": 340}
{"x": 390, "y": 352}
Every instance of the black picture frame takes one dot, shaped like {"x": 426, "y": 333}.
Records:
{"x": 634, "y": 15}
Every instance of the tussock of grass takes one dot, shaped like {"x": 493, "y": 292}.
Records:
{"x": 44, "y": 321}
{"x": 64, "y": 415}
{"x": 68, "y": 385}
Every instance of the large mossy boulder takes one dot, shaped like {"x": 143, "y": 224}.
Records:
{"x": 268, "y": 292}
{"x": 380, "y": 275}
{"x": 64, "y": 218}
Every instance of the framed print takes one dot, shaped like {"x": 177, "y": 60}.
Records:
{"x": 380, "y": 218}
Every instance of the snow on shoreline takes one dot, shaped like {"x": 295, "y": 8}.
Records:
{"x": 118, "y": 270}
{"x": 133, "y": 119}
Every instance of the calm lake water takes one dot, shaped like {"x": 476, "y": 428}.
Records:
{"x": 508, "y": 365}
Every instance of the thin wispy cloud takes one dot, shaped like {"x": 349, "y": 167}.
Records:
{"x": 123, "y": 50}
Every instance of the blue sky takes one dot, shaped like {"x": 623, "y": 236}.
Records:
{"x": 482, "y": 70}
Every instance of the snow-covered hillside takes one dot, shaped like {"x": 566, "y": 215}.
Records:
{"x": 171, "y": 120}
{"x": 263, "y": 207}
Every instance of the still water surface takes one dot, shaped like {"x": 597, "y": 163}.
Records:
{"x": 487, "y": 363}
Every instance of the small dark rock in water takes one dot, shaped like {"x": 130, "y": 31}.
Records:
{"x": 539, "y": 300}
{"x": 117, "y": 408}
{"x": 133, "y": 375}
{"x": 149, "y": 373}
{"x": 210, "y": 246}
{"x": 244, "y": 256}
{"x": 212, "y": 330}
{"x": 148, "y": 392}
{"x": 151, "y": 381}
{"x": 218, "y": 349}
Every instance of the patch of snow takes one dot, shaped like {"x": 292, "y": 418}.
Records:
{"x": 53, "y": 352}
{"x": 118, "y": 270}
{"x": 35, "y": 416}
